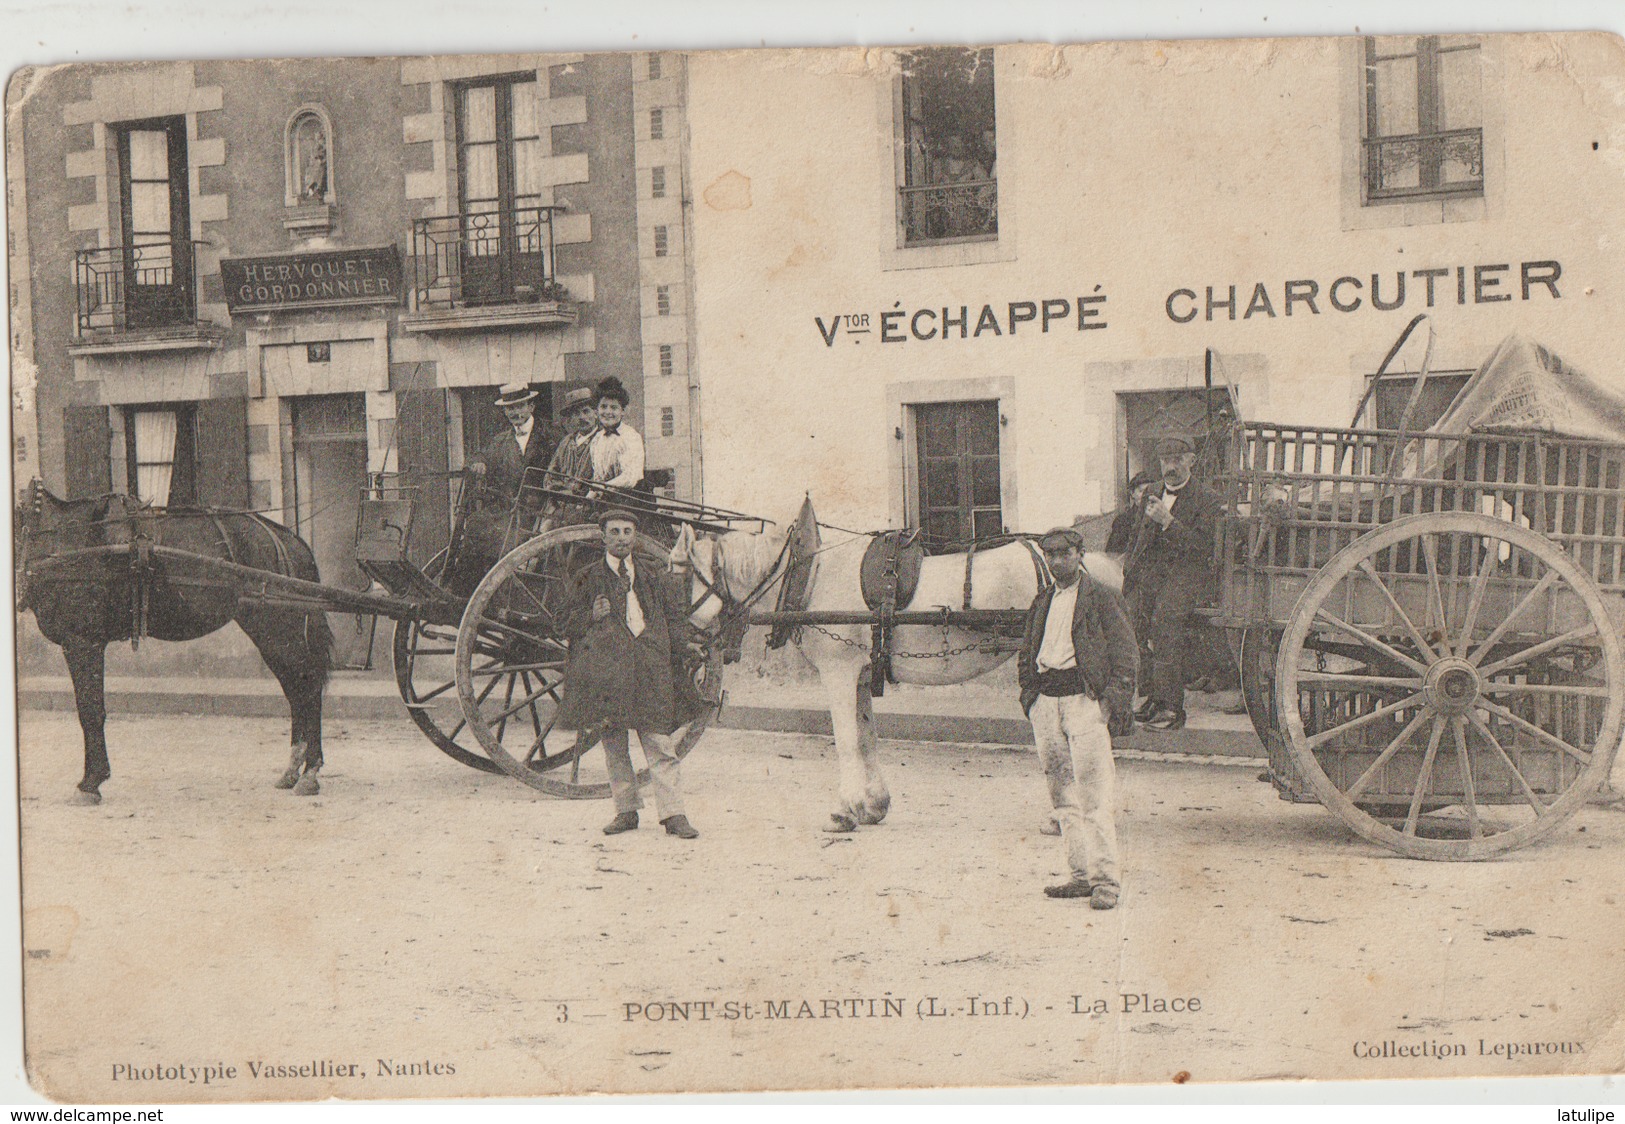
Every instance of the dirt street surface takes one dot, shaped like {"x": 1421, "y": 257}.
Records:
{"x": 422, "y": 930}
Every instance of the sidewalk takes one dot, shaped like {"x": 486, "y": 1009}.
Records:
{"x": 920, "y": 714}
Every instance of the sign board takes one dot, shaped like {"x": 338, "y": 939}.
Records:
{"x": 318, "y": 279}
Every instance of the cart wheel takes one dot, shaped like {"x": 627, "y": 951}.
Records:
{"x": 1486, "y": 677}
{"x": 1256, "y": 667}
{"x": 425, "y": 656}
{"x": 510, "y": 665}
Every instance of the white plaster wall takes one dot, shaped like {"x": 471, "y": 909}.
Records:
{"x": 1139, "y": 168}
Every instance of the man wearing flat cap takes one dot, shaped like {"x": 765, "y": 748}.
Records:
{"x": 622, "y": 624}
{"x": 1169, "y": 574}
{"x": 1076, "y": 667}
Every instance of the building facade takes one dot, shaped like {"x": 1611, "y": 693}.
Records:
{"x": 258, "y": 285}
{"x": 967, "y": 289}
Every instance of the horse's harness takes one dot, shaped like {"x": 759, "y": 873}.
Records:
{"x": 138, "y": 528}
{"x": 733, "y": 619}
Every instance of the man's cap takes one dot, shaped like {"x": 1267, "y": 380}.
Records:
{"x": 515, "y": 394}
{"x": 1173, "y": 444}
{"x": 618, "y": 513}
{"x": 1068, "y": 535}
{"x": 574, "y": 399}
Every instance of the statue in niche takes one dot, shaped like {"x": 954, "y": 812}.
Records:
{"x": 310, "y": 150}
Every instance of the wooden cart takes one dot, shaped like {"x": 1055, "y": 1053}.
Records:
{"x": 1429, "y": 626}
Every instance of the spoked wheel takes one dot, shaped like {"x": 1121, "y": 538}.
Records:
{"x": 425, "y": 657}
{"x": 1481, "y": 694}
{"x": 1260, "y": 646}
{"x": 511, "y": 655}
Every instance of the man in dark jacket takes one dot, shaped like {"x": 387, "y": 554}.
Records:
{"x": 498, "y": 470}
{"x": 1077, "y": 665}
{"x": 622, "y": 625}
{"x": 1169, "y": 573}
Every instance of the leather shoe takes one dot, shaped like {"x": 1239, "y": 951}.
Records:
{"x": 1050, "y": 826}
{"x": 1077, "y": 888}
{"x": 1103, "y": 897}
{"x": 1165, "y": 718}
{"x": 680, "y": 827}
{"x": 623, "y": 821}
{"x": 1147, "y": 709}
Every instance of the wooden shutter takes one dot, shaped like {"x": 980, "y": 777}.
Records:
{"x": 87, "y": 442}
{"x": 420, "y": 433}
{"x": 222, "y": 452}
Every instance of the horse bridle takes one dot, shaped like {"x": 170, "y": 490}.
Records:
{"x": 734, "y": 617}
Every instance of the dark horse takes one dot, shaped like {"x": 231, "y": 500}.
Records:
{"x": 87, "y": 570}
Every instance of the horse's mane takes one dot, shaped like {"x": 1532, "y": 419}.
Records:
{"x": 746, "y": 557}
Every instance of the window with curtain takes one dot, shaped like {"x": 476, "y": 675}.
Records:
{"x": 947, "y": 189}
{"x": 1424, "y": 127}
{"x": 500, "y": 186}
{"x": 160, "y": 450}
{"x": 155, "y": 250}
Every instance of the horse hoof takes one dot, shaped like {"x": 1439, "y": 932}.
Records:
{"x": 288, "y": 779}
{"x": 307, "y": 786}
{"x": 840, "y": 824}
{"x": 874, "y": 811}
{"x": 84, "y": 799}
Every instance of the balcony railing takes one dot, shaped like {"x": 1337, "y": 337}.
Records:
{"x": 1425, "y": 165}
{"x": 484, "y": 257}
{"x": 949, "y": 212}
{"x": 135, "y": 288}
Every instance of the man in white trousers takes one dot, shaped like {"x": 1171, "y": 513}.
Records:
{"x": 1077, "y": 667}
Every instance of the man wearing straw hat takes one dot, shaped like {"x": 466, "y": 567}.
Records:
{"x": 498, "y": 471}
{"x": 524, "y": 444}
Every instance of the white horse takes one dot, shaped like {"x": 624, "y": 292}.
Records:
{"x": 727, "y": 570}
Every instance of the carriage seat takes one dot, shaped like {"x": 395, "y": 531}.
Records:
{"x": 909, "y": 552}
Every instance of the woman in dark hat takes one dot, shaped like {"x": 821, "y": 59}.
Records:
{"x": 617, "y": 448}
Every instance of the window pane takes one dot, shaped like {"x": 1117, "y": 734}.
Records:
{"x": 1460, "y": 100}
{"x": 527, "y": 167}
{"x": 982, "y": 428}
{"x": 525, "y": 114}
{"x": 988, "y": 524}
{"x": 941, "y": 484}
{"x": 479, "y": 113}
{"x": 1461, "y": 159}
{"x": 941, "y": 527}
{"x": 149, "y": 209}
{"x": 1396, "y": 98}
{"x": 480, "y": 173}
{"x": 985, "y": 482}
{"x": 1397, "y": 164}
{"x": 149, "y": 154}
{"x": 937, "y": 432}
{"x": 153, "y": 432}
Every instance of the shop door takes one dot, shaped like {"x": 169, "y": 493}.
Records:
{"x": 330, "y": 470}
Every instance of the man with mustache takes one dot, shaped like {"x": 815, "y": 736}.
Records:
{"x": 1169, "y": 574}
